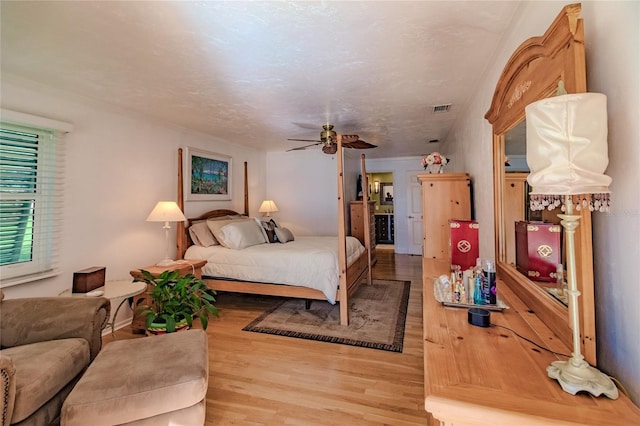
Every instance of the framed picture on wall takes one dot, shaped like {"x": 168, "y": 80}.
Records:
{"x": 208, "y": 176}
{"x": 386, "y": 193}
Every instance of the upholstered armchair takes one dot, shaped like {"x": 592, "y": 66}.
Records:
{"x": 46, "y": 344}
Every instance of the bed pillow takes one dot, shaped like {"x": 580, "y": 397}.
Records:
{"x": 238, "y": 235}
{"x": 215, "y": 224}
{"x": 263, "y": 228}
{"x": 269, "y": 225}
{"x": 201, "y": 234}
{"x": 284, "y": 235}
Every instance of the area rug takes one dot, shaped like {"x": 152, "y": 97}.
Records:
{"x": 377, "y": 315}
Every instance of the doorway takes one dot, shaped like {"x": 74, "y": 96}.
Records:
{"x": 414, "y": 217}
{"x": 382, "y": 194}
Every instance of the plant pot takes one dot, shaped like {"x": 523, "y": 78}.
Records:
{"x": 161, "y": 328}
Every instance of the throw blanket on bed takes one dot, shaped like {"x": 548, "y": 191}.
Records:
{"x": 307, "y": 262}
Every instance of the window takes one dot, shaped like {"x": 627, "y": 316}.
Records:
{"x": 31, "y": 178}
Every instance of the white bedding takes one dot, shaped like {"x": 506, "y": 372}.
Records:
{"x": 307, "y": 261}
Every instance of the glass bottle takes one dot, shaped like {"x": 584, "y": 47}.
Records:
{"x": 478, "y": 298}
{"x": 477, "y": 291}
{"x": 489, "y": 290}
{"x": 477, "y": 270}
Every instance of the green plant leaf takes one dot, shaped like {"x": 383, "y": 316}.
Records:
{"x": 176, "y": 298}
{"x": 204, "y": 320}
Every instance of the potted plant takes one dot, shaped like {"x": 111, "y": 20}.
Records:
{"x": 176, "y": 301}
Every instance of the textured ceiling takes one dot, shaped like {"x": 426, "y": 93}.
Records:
{"x": 257, "y": 73}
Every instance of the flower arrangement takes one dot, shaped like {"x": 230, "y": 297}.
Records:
{"x": 433, "y": 161}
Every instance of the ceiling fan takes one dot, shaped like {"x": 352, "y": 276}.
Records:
{"x": 328, "y": 140}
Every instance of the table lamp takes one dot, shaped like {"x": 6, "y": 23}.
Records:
{"x": 567, "y": 156}
{"x": 268, "y": 207}
{"x": 166, "y": 211}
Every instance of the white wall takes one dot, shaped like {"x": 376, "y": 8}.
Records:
{"x": 118, "y": 166}
{"x": 304, "y": 185}
{"x": 612, "y": 43}
{"x": 612, "y": 40}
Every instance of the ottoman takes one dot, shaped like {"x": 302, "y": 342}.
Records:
{"x": 158, "y": 380}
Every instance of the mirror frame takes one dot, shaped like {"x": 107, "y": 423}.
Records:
{"x": 533, "y": 73}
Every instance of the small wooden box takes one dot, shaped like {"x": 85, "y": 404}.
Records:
{"x": 538, "y": 250}
{"x": 88, "y": 279}
{"x": 464, "y": 244}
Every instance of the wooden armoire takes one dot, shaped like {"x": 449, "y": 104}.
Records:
{"x": 445, "y": 196}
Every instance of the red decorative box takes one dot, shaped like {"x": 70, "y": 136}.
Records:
{"x": 463, "y": 243}
{"x": 538, "y": 250}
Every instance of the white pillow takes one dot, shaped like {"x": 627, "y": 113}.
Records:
{"x": 201, "y": 234}
{"x": 284, "y": 235}
{"x": 241, "y": 234}
{"x": 215, "y": 224}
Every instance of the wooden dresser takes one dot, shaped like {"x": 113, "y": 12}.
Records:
{"x": 357, "y": 225}
{"x": 444, "y": 196}
{"x": 489, "y": 376}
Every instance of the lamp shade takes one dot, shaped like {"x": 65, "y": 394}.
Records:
{"x": 268, "y": 206}
{"x": 166, "y": 211}
{"x": 567, "y": 145}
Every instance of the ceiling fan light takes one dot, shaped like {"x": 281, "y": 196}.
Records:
{"x": 327, "y": 135}
{"x": 330, "y": 149}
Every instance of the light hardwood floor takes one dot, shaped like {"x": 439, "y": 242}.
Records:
{"x": 260, "y": 379}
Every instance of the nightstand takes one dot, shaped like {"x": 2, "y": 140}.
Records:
{"x": 185, "y": 267}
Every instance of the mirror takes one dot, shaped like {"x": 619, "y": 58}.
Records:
{"x": 533, "y": 73}
{"x": 386, "y": 193}
{"x": 515, "y": 206}
{"x": 515, "y": 187}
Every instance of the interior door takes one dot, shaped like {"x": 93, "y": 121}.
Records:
{"x": 414, "y": 217}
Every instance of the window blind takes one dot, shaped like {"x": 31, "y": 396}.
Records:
{"x": 31, "y": 193}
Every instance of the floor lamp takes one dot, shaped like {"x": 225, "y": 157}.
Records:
{"x": 567, "y": 156}
{"x": 166, "y": 211}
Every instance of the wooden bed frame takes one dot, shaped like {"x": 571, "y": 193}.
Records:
{"x": 350, "y": 277}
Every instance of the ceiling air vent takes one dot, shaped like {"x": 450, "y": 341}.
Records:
{"x": 441, "y": 108}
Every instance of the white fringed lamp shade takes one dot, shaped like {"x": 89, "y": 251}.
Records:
{"x": 567, "y": 150}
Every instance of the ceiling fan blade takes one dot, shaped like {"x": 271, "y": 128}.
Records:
{"x": 300, "y": 148}
{"x": 359, "y": 144}
{"x": 328, "y": 137}
{"x": 349, "y": 138}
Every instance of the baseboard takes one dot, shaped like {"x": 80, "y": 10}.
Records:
{"x": 120, "y": 324}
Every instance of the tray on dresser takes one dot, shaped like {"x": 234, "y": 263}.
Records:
{"x": 440, "y": 293}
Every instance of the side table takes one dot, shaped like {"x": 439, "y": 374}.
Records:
{"x": 114, "y": 290}
{"x": 185, "y": 267}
